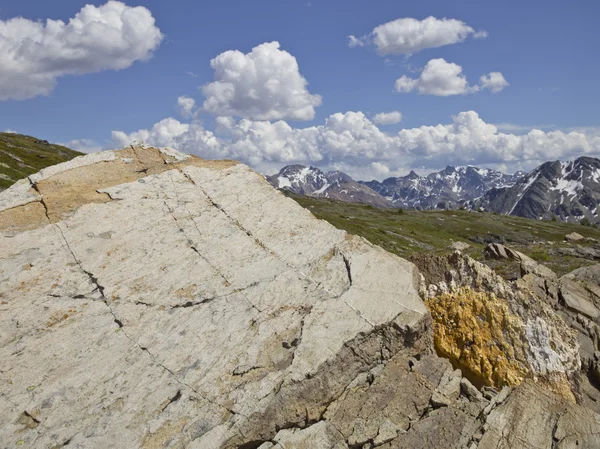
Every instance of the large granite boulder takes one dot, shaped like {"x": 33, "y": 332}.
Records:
{"x": 149, "y": 299}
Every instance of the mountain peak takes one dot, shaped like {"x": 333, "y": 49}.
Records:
{"x": 334, "y": 184}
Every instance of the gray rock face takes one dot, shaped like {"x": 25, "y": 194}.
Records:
{"x": 185, "y": 307}
{"x": 532, "y": 418}
{"x": 151, "y": 299}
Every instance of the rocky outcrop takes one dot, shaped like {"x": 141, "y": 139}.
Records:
{"x": 497, "y": 332}
{"x": 527, "y": 264}
{"x": 152, "y": 299}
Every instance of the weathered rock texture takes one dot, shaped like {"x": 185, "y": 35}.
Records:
{"x": 151, "y": 299}
{"x": 498, "y": 332}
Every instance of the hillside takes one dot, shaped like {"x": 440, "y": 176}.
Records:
{"x": 21, "y": 156}
{"x": 412, "y": 232}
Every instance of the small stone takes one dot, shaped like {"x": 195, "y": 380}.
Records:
{"x": 573, "y": 237}
{"x": 439, "y": 400}
{"x": 501, "y": 397}
{"x": 460, "y": 246}
{"x": 470, "y": 391}
{"x": 450, "y": 384}
{"x": 267, "y": 445}
{"x": 489, "y": 392}
{"x": 575, "y": 298}
{"x": 387, "y": 432}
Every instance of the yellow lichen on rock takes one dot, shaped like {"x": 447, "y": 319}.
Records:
{"x": 479, "y": 334}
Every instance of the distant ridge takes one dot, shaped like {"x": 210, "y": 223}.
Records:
{"x": 568, "y": 191}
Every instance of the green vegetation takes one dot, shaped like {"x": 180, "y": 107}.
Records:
{"x": 21, "y": 156}
{"x": 413, "y": 232}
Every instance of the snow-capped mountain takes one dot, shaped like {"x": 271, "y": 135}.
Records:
{"x": 568, "y": 190}
{"x": 335, "y": 185}
{"x": 447, "y": 188}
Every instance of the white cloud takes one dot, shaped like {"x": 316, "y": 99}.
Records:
{"x": 354, "y": 41}
{"x": 83, "y": 145}
{"x": 517, "y": 128}
{"x": 494, "y": 81}
{"x": 186, "y": 106}
{"x": 33, "y": 55}
{"x": 409, "y": 35}
{"x": 352, "y": 143}
{"x": 439, "y": 78}
{"x": 224, "y": 125}
{"x": 470, "y": 140}
{"x": 388, "y": 118}
{"x": 406, "y": 84}
{"x": 10, "y": 131}
{"x": 442, "y": 78}
{"x": 380, "y": 168}
{"x": 170, "y": 132}
{"x": 264, "y": 84}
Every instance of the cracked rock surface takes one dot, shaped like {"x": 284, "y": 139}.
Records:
{"x": 152, "y": 299}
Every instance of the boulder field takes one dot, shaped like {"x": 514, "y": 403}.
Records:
{"x": 152, "y": 299}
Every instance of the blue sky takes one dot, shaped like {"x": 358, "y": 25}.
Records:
{"x": 545, "y": 50}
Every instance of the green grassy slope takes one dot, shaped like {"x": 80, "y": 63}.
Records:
{"x": 412, "y": 232}
{"x": 21, "y": 156}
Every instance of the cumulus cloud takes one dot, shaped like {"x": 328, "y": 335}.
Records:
{"x": 409, "y": 35}
{"x": 439, "y": 78}
{"x": 352, "y": 143}
{"x": 186, "y": 106}
{"x": 264, "y": 84}
{"x": 10, "y": 131}
{"x": 443, "y": 79}
{"x": 388, "y": 118}
{"x": 33, "y": 55}
{"x": 470, "y": 140}
{"x": 494, "y": 81}
{"x": 170, "y": 132}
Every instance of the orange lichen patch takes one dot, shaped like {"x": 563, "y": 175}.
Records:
{"x": 65, "y": 192}
{"x": 479, "y": 335}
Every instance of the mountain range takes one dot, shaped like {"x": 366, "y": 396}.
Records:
{"x": 569, "y": 191}
{"x": 447, "y": 188}
{"x": 335, "y": 185}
